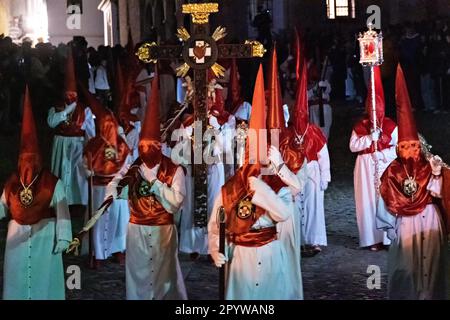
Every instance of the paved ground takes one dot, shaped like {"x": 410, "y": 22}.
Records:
{"x": 339, "y": 272}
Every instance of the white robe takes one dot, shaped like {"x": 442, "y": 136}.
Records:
{"x": 311, "y": 200}
{"x": 31, "y": 270}
{"x": 417, "y": 262}
{"x": 365, "y": 196}
{"x": 152, "y": 268}
{"x": 109, "y": 232}
{"x": 289, "y": 232}
{"x": 257, "y": 273}
{"x": 67, "y": 157}
{"x": 195, "y": 239}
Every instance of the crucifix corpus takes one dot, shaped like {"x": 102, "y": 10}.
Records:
{"x": 200, "y": 52}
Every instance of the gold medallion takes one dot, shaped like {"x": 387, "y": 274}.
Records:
{"x": 26, "y": 197}
{"x": 245, "y": 209}
{"x": 110, "y": 154}
{"x": 409, "y": 187}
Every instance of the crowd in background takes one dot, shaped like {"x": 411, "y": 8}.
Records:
{"x": 423, "y": 49}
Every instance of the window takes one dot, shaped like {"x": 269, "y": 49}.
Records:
{"x": 78, "y": 3}
{"x": 340, "y": 9}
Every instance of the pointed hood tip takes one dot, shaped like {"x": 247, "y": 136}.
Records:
{"x": 407, "y": 129}
{"x": 275, "y": 117}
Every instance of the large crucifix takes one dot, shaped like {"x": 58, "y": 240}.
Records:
{"x": 200, "y": 52}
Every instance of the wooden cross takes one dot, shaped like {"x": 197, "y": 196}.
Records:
{"x": 200, "y": 52}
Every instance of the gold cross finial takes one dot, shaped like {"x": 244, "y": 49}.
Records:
{"x": 200, "y": 11}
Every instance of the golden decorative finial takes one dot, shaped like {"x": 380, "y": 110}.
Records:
{"x": 182, "y": 70}
{"x": 219, "y": 33}
{"x": 218, "y": 70}
{"x": 200, "y": 11}
{"x": 257, "y": 48}
{"x": 144, "y": 53}
{"x": 183, "y": 34}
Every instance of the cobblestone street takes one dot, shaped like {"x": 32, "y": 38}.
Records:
{"x": 338, "y": 272}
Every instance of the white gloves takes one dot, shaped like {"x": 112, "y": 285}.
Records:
{"x": 323, "y": 185}
{"x": 87, "y": 172}
{"x": 111, "y": 191}
{"x": 275, "y": 156}
{"x": 61, "y": 246}
{"x": 375, "y": 135}
{"x": 219, "y": 259}
{"x": 70, "y": 108}
{"x": 436, "y": 165}
{"x": 255, "y": 184}
{"x": 147, "y": 173}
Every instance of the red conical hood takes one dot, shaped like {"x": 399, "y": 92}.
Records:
{"x": 234, "y": 99}
{"x": 70, "y": 82}
{"x": 301, "y": 103}
{"x": 30, "y": 161}
{"x": 257, "y": 122}
{"x": 379, "y": 97}
{"x": 151, "y": 126}
{"x": 275, "y": 119}
{"x": 407, "y": 129}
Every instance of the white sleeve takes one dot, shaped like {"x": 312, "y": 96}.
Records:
{"x": 278, "y": 206}
{"x": 118, "y": 177}
{"x": 55, "y": 118}
{"x": 213, "y": 226}
{"x": 291, "y": 179}
{"x": 88, "y": 124}
{"x": 171, "y": 197}
{"x": 435, "y": 187}
{"x": 324, "y": 164}
{"x": 3, "y": 207}
{"x": 63, "y": 223}
{"x": 358, "y": 144}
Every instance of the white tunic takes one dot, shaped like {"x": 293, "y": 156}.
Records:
{"x": 289, "y": 232}
{"x": 311, "y": 200}
{"x": 417, "y": 266}
{"x": 109, "y": 232}
{"x": 152, "y": 268}
{"x": 67, "y": 157}
{"x": 31, "y": 269}
{"x": 257, "y": 273}
{"x": 195, "y": 239}
{"x": 365, "y": 196}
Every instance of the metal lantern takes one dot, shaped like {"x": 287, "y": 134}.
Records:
{"x": 371, "y": 47}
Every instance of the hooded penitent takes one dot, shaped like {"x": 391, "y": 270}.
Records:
{"x": 303, "y": 136}
{"x": 404, "y": 183}
{"x": 365, "y": 126}
{"x": 72, "y": 127}
{"x": 29, "y": 191}
{"x": 234, "y": 99}
{"x": 150, "y": 138}
{"x": 108, "y": 151}
{"x": 236, "y": 189}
